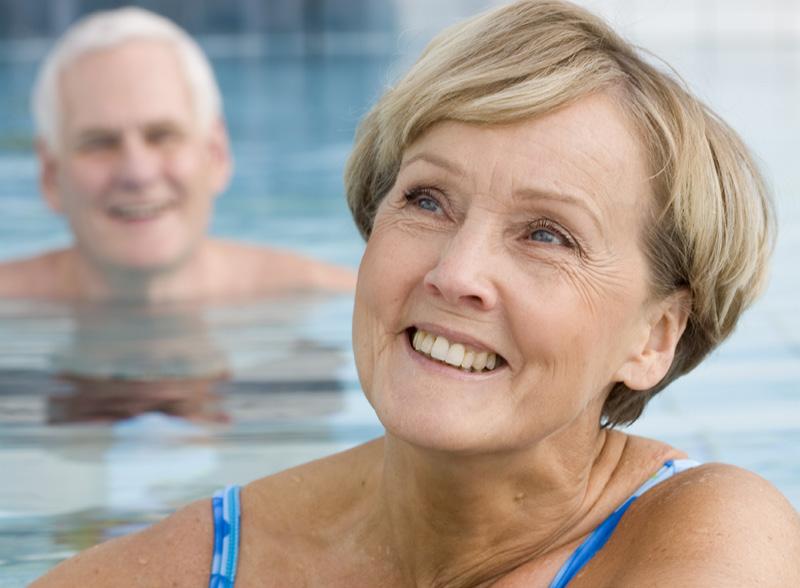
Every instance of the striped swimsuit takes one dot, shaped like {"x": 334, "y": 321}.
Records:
{"x": 227, "y": 513}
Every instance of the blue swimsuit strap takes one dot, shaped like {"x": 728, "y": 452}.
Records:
{"x": 594, "y": 542}
{"x": 227, "y": 513}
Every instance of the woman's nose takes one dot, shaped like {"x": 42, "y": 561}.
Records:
{"x": 466, "y": 271}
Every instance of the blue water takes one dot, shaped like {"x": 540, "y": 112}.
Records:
{"x": 290, "y": 393}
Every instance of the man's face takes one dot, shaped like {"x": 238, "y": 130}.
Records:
{"x": 134, "y": 174}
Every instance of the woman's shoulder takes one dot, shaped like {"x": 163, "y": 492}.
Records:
{"x": 324, "y": 486}
{"x": 714, "y": 524}
{"x": 293, "y": 521}
{"x": 174, "y": 552}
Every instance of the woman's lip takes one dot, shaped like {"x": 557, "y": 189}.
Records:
{"x": 454, "y": 336}
{"x": 448, "y": 370}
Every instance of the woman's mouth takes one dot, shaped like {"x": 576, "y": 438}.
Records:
{"x": 459, "y": 355}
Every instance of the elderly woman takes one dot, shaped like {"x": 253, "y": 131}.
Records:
{"x": 555, "y": 232}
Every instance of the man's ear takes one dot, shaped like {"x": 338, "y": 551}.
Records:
{"x": 650, "y": 362}
{"x": 221, "y": 160}
{"x": 48, "y": 174}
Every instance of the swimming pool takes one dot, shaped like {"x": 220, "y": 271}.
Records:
{"x": 273, "y": 384}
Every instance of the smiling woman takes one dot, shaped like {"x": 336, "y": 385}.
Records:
{"x": 523, "y": 237}
{"x": 556, "y": 230}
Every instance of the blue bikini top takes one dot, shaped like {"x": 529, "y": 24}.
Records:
{"x": 227, "y": 515}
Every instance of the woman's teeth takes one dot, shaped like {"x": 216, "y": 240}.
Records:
{"x": 455, "y": 354}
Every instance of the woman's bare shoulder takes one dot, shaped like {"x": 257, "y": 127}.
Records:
{"x": 297, "y": 518}
{"x": 174, "y": 552}
{"x": 322, "y": 484}
{"x": 714, "y": 525}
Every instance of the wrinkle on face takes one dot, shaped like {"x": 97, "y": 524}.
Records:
{"x": 568, "y": 310}
{"x": 596, "y": 284}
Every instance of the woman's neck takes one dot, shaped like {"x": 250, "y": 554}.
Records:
{"x": 468, "y": 520}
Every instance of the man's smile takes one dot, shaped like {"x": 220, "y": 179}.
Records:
{"x": 139, "y": 211}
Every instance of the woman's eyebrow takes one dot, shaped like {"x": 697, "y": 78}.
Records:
{"x": 436, "y": 160}
{"x": 531, "y": 193}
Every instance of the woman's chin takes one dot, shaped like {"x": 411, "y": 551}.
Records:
{"x": 439, "y": 425}
{"x": 435, "y": 406}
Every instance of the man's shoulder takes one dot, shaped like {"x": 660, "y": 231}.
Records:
{"x": 711, "y": 525}
{"x": 175, "y": 552}
{"x": 268, "y": 269}
{"x": 31, "y": 277}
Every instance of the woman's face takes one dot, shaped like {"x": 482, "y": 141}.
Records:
{"x": 520, "y": 242}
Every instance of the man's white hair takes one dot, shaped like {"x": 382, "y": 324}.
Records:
{"x": 109, "y": 28}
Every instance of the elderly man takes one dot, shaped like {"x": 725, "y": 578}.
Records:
{"x": 133, "y": 150}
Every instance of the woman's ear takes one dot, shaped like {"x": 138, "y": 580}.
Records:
{"x": 665, "y": 324}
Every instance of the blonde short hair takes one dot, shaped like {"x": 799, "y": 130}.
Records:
{"x": 107, "y": 29}
{"x": 711, "y": 228}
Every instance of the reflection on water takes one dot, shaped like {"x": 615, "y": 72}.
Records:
{"x": 124, "y": 360}
{"x": 151, "y": 408}
{"x": 109, "y": 400}
{"x": 131, "y": 342}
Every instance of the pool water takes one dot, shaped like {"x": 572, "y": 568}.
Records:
{"x": 112, "y": 417}
{"x": 97, "y": 439}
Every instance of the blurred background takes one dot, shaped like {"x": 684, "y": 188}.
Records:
{"x": 82, "y": 463}
{"x": 297, "y": 75}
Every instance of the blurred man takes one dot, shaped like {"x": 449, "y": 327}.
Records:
{"x": 133, "y": 150}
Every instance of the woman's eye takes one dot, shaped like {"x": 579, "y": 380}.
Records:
{"x": 424, "y": 199}
{"x": 545, "y": 233}
{"x": 545, "y": 236}
{"x": 428, "y": 204}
